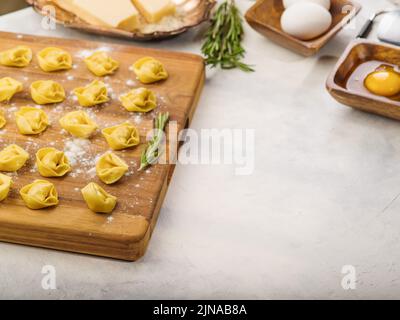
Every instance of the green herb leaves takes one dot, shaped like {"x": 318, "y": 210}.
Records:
{"x": 223, "y": 44}
{"x": 153, "y": 150}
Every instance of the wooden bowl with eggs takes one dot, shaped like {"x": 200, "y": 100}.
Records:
{"x": 348, "y": 82}
{"x": 265, "y": 17}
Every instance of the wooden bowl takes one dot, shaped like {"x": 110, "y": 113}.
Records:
{"x": 193, "y": 13}
{"x": 357, "y": 53}
{"x": 265, "y": 17}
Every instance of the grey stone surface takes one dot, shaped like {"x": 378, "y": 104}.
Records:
{"x": 324, "y": 194}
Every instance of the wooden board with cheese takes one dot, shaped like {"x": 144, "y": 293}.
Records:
{"x": 135, "y": 19}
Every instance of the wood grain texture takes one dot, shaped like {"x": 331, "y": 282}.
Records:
{"x": 358, "y": 52}
{"x": 265, "y": 17}
{"x": 71, "y": 226}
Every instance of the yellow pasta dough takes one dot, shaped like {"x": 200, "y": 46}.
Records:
{"x": 9, "y": 87}
{"x": 52, "y": 162}
{"x": 139, "y": 100}
{"x": 110, "y": 168}
{"x": 149, "y": 70}
{"x": 47, "y": 91}
{"x": 3, "y": 120}
{"x": 39, "y": 194}
{"x": 5, "y": 185}
{"x": 12, "y": 158}
{"x": 97, "y": 199}
{"x": 54, "y": 59}
{"x": 19, "y": 56}
{"x": 121, "y": 136}
{"x": 31, "y": 120}
{"x": 100, "y": 64}
{"x": 94, "y": 93}
{"x": 79, "y": 124}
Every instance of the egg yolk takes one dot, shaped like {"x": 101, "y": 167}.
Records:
{"x": 384, "y": 81}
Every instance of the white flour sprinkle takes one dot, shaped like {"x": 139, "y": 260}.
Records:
{"x": 92, "y": 172}
{"x": 110, "y": 219}
{"x": 76, "y": 149}
{"x": 137, "y": 119}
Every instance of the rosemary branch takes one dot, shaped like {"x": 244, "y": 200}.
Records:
{"x": 153, "y": 150}
{"x": 223, "y": 40}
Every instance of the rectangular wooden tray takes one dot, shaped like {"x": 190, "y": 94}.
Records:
{"x": 265, "y": 16}
{"x": 358, "y": 52}
{"x": 71, "y": 226}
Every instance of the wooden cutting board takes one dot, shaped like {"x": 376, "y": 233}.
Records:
{"x": 71, "y": 226}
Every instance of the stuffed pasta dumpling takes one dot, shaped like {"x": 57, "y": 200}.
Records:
{"x": 3, "y": 120}
{"x": 100, "y": 64}
{"x": 54, "y": 59}
{"x": 110, "y": 168}
{"x": 47, "y": 91}
{"x": 5, "y": 185}
{"x": 19, "y": 56}
{"x": 8, "y": 88}
{"x": 12, "y": 158}
{"x": 97, "y": 199}
{"x": 79, "y": 124}
{"x": 31, "y": 120}
{"x": 39, "y": 194}
{"x": 139, "y": 100}
{"x": 149, "y": 70}
{"x": 94, "y": 93}
{"x": 121, "y": 136}
{"x": 52, "y": 162}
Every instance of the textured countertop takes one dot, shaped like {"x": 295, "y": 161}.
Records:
{"x": 324, "y": 193}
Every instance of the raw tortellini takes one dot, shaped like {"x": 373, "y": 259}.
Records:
{"x": 54, "y": 59}
{"x": 94, "y": 93}
{"x": 12, "y": 158}
{"x": 139, "y": 100}
{"x": 39, "y": 194}
{"x": 9, "y": 87}
{"x": 5, "y": 185}
{"x": 100, "y": 64}
{"x": 149, "y": 70}
{"x": 3, "y": 120}
{"x": 97, "y": 199}
{"x": 31, "y": 120}
{"x": 19, "y": 56}
{"x": 47, "y": 91}
{"x": 121, "y": 136}
{"x": 110, "y": 168}
{"x": 52, "y": 162}
{"x": 78, "y": 124}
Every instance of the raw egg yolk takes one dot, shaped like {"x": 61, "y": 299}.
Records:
{"x": 383, "y": 82}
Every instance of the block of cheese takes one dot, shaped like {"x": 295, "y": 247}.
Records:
{"x": 120, "y": 14}
{"x": 155, "y": 10}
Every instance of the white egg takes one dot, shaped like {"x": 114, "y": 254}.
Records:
{"x": 306, "y": 20}
{"x": 325, "y": 3}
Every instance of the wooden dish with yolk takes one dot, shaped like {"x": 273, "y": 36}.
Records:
{"x": 346, "y": 83}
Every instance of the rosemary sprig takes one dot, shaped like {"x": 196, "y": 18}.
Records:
{"x": 223, "y": 44}
{"x": 153, "y": 150}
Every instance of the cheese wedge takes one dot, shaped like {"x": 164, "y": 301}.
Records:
{"x": 119, "y": 14}
{"x": 155, "y": 10}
